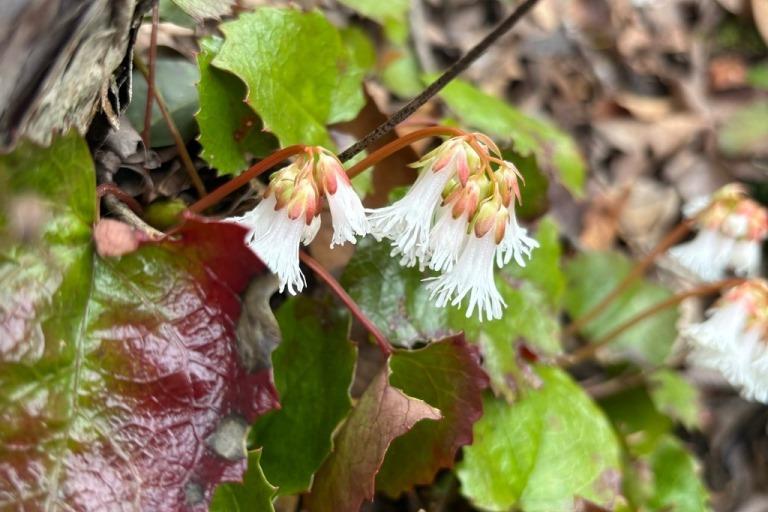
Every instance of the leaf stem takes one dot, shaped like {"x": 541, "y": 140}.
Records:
{"x": 180, "y": 146}
{"x": 348, "y": 301}
{"x": 145, "y": 133}
{"x": 220, "y": 193}
{"x": 590, "y": 350}
{"x": 435, "y": 87}
{"x": 400, "y": 143}
{"x": 637, "y": 271}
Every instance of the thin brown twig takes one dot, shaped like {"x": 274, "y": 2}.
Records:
{"x": 590, "y": 350}
{"x": 348, "y": 301}
{"x": 145, "y": 133}
{"x": 223, "y": 191}
{"x": 110, "y": 188}
{"x": 637, "y": 271}
{"x": 398, "y": 144}
{"x": 436, "y": 86}
{"x": 189, "y": 166}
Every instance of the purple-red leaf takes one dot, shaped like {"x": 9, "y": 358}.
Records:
{"x": 446, "y": 374}
{"x": 346, "y": 478}
{"x": 136, "y": 395}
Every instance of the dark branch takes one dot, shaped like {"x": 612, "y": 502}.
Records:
{"x": 451, "y": 73}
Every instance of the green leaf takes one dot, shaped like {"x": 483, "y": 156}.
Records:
{"x": 667, "y": 479}
{"x": 255, "y": 493}
{"x": 545, "y": 270}
{"x": 293, "y": 64}
{"x": 201, "y": 9}
{"x": 402, "y": 75}
{"x": 382, "y": 414}
{"x": 636, "y": 419}
{"x": 391, "y": 14}
{"x": 539, "y": 454}
{"x": 392, "y": 296}
{"x": 535, "y": 189}
{"x": 675, "y": 396}
{"x": 175, "y": 78}
{"x": 230, "y": 131}
{"x": 554, "y": 149}
{"x": 359, "y": 57}
{"x": 758, "y": 76}
{"x": 447, "y": 375}
{"x": 594, "y": 275}
{"x": 313, "y": 368}
{"x": 746, "y": 131}
{"x": 125, "y": 366}
{"x": 532, "y": 294}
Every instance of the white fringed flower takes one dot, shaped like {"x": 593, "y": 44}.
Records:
{"x": 473, "y": 272}
{"x": 274, "y": 236}
{"x": 446, "y": 240}
{"x": 288, "y": 213}
{"x": 707, "y": 255}
{"x": 733, "y": 339}
{"x": 347, "y": 213}
{"x": 732, "y": 228}
{"x": 471, "y": 275}
{"x": 407, "y": 222}
{"x": 516, "y": 243}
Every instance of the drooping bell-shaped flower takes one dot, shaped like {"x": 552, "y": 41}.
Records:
{"x": 451, "y": 230}
{"x": 472, "y": 275}
{"x": 347, "y": 213}
{"x": 286, "y": 217}
{"x": 734, "y": 339}
{"x": 731, "y": 230}
{"x": 407, "y": 222}
{"x": 516, "y": 243}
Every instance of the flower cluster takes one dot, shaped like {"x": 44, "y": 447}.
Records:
{"x": 289, "y": 213}
{"x": 458, "y": 218}
{"x": 731, "y": 229}
{"x": 734, "y": 339}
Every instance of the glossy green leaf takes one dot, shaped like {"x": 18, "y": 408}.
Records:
{"x": 313, "y": 368}
{"x": 383, "y": 413}
{"x": 293, "y": 64}
{"x": 447, "y": 375}
{"x": 594, "y": 275}
{"x": 392, "y": 296}
{"x": 255, "y": 493}
{"x": 539, "y": 454}
{"x": 554, "y": 149}
{"x": 359, "y": 57}
{"x": 230, "y": 131}
{"x": 175, "y": 78}
{"x": 675, "y": 396}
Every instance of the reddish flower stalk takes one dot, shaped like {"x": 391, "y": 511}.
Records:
{"x": 253, "y": 171}
{"x": 590, "y": 350}
{"x": 348, "y": 301}
{"x": 637, "y": 271}
{"x": 400, "y": 143}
